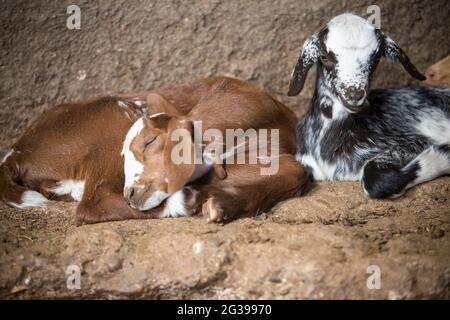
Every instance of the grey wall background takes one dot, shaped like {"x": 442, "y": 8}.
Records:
{"x": 133, "y": 45}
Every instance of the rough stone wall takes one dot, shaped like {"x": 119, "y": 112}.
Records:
{"x": 131, "y": 45}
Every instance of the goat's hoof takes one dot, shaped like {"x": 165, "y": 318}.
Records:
{"x": 79, "y": 221}
{"x": 212, "y": 211}
{"x": 85, "y": 217}
{"x": 191, "y": 200}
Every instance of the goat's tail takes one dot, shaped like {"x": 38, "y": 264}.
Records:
{"x": 12, "y": 192}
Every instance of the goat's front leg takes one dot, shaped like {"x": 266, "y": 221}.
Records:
{"x": 390, "y": 174}
{"x": 109, "y": 207}
{"x": 103, "y": 201}
{"x": 246, "y": 191}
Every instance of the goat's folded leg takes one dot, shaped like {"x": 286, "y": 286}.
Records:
{"x": 105, "y": 204}
{"x": 390, "y": 174}
{"x": 51, "y": 189}
{"x": 222, "y": 207}
{"x": 246, "y": 191}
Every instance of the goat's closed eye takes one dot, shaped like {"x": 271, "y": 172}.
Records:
{"x": 149, "y": 141}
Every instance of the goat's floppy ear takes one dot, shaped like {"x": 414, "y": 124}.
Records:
{"x": 158, "y": 120}
{"x": 156, "y": 103}
{"x": 309, "y": 55}
{"x": 394, "y": 53}
{"x": 179, "y": 153}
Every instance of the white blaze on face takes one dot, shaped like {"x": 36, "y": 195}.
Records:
{"x": 132, "y": 167}
{"x": 353, "y": 41}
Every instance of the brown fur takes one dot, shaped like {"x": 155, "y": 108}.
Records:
{"x": 74, "y": 141}
{"x": 83, "y": 141}
{"x": 228, "y": 190}
{"x": 439, "y": 73}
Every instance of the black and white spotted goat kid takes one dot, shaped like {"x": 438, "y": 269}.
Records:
{"x": 390, "y": 139}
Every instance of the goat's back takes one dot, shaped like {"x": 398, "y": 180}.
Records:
{"x": 60, "y": 142}
{"x": 234, "y": 104}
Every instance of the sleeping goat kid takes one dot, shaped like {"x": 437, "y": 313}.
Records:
{"x": 221, "y": 190}
{"x": 391, "y": 139}
{"x": 72, "y": 153}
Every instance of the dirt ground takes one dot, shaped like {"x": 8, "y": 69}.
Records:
{"x": 318, "y": 246}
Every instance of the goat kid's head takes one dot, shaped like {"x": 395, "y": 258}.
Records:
{"x": 347, "y": 52}
{"x": 151, "y": 175}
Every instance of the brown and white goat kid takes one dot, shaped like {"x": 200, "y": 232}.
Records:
{"x": 72, "y": 153}
{"x": 222, "y": 190}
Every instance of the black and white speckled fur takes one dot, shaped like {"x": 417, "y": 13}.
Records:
{"x": 393, "y": 140}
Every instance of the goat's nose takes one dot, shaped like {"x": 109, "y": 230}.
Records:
{"x": 355, "y": 94}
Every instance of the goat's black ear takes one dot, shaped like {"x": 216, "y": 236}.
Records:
{"x": 308, "y": 56}
{"x": 394, "y": 53}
